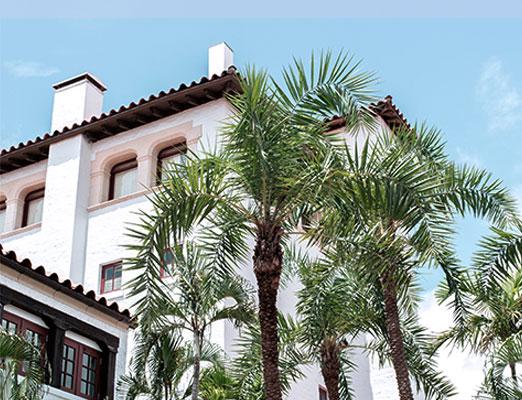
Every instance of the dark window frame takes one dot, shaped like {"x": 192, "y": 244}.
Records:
{"x": 104, "y": 267}
{"x": 79, "y": 350}
{"x": 22, "y": 326}
{"x": 169, "y": 151}
{"x": 119, "y": 168}
{"x": 31, "y": 196}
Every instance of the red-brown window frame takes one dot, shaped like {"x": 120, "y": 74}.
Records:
{"x": 103, "y": 268}
{"x": 79, "y": 349}
{"x": 22, "y": 325}
{"x": 34, "y": 195}
{"x": 118, "y": 168}
{"x": 177, "y": 148}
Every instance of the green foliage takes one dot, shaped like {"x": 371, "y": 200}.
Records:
{"x": 247, "y": 367}
{"x": 15, "y": 351}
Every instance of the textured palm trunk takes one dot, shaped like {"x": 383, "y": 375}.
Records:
{"x": 268, "y": 258}
{"x": 197, "y": 366}
{"x": 393, "y": 327}
{"x": 331, "y": 367}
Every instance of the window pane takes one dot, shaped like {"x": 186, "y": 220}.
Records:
{"x": 125, "y": 182}
{"x": 2, "y": 220}
{"x": 117, "y": 278}
{"x": 34, "y": 211}
{"x": 107, "y": 286}
{"x": 9, "y": 326}
{"x": 166, "y": 163}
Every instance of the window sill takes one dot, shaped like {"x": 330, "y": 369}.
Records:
{"x": 119, "y": 200}
{"x": 59, "y": 394}
{"x": 19, "y": 231}
{"x": 114, "y": 295}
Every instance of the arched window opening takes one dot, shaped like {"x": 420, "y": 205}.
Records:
{"x": 124, "y": 179}
{"x": 174, "y": 154}
{"x": 33, "y": 207}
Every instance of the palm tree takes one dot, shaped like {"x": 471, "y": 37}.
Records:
{"x": 398, "y": 196}
{"x": 274, "y": 158}
{"x": 161, "y": 361}
{"x": 330, "y": 312}
{"x": 496, "y": 386}
{"x": 336, "y": 304}
{"x": 494, "y": 294}
{"x": 192, "y": 298}
{"x": 247, "y": 367}
{"x": 16, "y": 351}
{"x": 217, "y": 383}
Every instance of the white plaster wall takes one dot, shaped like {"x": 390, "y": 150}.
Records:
{"x": 75, "y": 103}
{"x": 64, "y": 223}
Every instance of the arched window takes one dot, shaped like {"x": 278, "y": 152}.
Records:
{"x": 124, "y": 179}
{"x": 2, "y": 214}
{"x": 33, "y": 207}
{"x": 173, "y": 154}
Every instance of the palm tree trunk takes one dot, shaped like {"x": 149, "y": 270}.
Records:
{"x": 330, "y": 368}
{"x": 268, "y": 259}
{"x": 197, "y": 366}
{"x": 393, "y": 327}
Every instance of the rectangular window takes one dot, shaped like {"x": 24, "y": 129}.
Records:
{"x": 111, "y": 277}
{"x": 35, "y": 334}
{"x": 323, "y": 394}
{"x": 80, "y": 369}
{"x": 9, "y": 326}
{"x": 68, "y": 367}
{"x": 88, "y": 376}
{"x": 124, "y": 179}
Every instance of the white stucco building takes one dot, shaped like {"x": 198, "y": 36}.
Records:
{"x": 65, "y": 197}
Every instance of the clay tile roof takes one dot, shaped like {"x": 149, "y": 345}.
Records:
{"x": 115, "y": 121}
{"x": 389, "y": 112}
{"x": 9, "y": 259}
{"x": 385, "y": 109}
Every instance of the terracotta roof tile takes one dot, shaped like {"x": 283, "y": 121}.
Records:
{"x": 204, "y": 90}
{"x": 52, "y": 279}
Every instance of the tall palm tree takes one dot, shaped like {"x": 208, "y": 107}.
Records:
{"x": 15, "y": 351}
{"x": 191, "y": 298}
{"x": 274, "y": 158}
{"x": 247, "y": 367}
{"x": 398, "y": 196}
{"x": 336, "y": 304}
{"x": 494, "y": 294}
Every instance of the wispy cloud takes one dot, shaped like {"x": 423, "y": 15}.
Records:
{"x": 29, "y": 69}
{"x": 501, "y": 100}
{"x": 466, "y": 157}
{"x": 462, "y": 368}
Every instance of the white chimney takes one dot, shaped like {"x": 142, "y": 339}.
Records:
{"x": 220, "y": 58}
{"x": 76, "y": 99}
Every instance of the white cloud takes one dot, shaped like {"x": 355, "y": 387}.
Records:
{"x": 29, "y": 69}
{"x": 463, "y": 369}
{"x": 501, "y": 101}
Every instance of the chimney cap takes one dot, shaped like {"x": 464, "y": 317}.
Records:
{"x": 84, "y": 76}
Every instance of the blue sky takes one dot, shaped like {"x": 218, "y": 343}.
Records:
{"x": 462, "y": 75}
